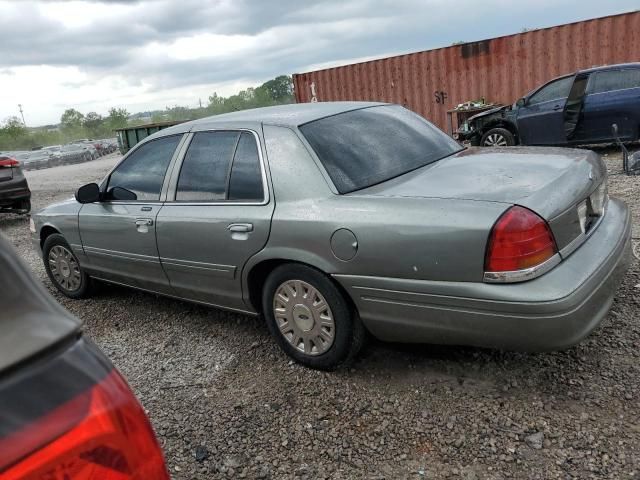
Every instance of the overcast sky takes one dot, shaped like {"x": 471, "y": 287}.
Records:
{"x": 148, "y": 54}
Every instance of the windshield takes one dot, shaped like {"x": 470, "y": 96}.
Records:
{"x": 364, "y": 147}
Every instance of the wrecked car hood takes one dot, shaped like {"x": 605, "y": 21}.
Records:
{"x": 489, "y": 112}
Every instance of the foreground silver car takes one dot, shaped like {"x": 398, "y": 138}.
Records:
{"x": 332, "y": 219}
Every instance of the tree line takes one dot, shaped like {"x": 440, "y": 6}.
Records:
{"x": 74, "y": 125}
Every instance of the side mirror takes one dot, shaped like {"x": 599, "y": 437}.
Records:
{"x": 88, "y": 193}
{"x": 521, "y": 102}
{"x": 120, "y": 193}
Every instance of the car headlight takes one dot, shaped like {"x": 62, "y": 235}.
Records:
{"x": 32, "y": 226}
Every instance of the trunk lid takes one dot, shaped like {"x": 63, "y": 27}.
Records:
{"x": 548, "y": 181}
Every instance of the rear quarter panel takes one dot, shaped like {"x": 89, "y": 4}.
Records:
{"x": 413, "y": 238}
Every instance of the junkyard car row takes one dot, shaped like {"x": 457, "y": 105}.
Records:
{"x": 292, "y": 212}
{"x": 51, "y": 156}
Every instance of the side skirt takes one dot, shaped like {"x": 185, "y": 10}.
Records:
{"x": 221, "y": 307}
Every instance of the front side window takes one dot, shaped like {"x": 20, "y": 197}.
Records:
{"x": 361, "y": 148}
{"x": 616, "y": 80}
{"x": 553, "y": 91}
{"x": 143, "y": 171}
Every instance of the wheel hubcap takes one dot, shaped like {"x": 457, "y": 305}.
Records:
{"x": 495, "y": 140}
{"x": 64, "y": 268}
{"x": 304, "y": 317}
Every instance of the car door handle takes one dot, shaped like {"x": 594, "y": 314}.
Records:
{"x": 144, "y": 221}
{"x": 557, "y": 107}
{"x": 240, "y": 227}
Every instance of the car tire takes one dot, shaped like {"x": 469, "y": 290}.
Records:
{"x": 63, "y": 268}
{"x": 25, "y": 206}
{"x": 320, "y": 338}
{"x": 498, "y": 137}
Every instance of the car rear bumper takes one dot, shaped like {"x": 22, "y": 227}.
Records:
{"x": 551, "y": 312}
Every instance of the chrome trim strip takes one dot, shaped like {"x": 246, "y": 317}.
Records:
{"x": 523, "y": 275}
{"x": 187, "y": 265}
{"x": 122, "y": 255}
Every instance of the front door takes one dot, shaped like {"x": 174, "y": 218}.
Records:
{"x": 118, "y": 235}
{"x": 217, "y": 215}
{"x": 541, "y": 120}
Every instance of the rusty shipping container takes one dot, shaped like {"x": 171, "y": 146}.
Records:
{"x": 501, "y": 69}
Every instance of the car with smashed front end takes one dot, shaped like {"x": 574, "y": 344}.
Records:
{"x": 575, "y": 109}
{"x": 337, "y": 219}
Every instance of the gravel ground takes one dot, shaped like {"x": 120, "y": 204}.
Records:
{"x": 226, "y": 403}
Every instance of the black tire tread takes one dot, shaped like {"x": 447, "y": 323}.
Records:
{"x": 511, "y": 140}
{"x": 86, "y": 288}
{"x": 350, "y": 332}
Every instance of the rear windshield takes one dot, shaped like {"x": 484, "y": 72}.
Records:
{"x": 364, "y": 147}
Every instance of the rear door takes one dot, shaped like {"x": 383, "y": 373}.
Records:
{"x": 217, "y": 215}
{"x": 541, "y": 120}
{"x": 613, "y": 97}
{"x": 118, "y": 236}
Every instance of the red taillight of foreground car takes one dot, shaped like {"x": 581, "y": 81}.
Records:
{"x": 102, "y": 433}
{"x": 520, "y": 240}
{"x": 8, "y": 162}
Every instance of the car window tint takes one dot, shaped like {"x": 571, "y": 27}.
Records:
{"x": 553, "y": 91}
{"x": 616, "y": 80}
{"x": 203, "y": 176}
{"x": 363, "y": 147}
{"x": 246, "y": 176}
{"x": 143, "y": 171}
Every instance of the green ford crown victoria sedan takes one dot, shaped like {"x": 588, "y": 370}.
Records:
{"x": 337, "y": 219}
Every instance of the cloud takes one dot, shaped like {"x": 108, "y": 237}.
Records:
{"x": 152, "y": 52}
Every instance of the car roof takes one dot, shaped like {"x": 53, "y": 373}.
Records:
{"x": 31, "y": 321}
{"x": 291, "y": 115}
{"x": 617, "y": 66}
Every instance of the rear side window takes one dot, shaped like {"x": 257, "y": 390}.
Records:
{"x": 143, "y": 171}
{"x": 360, "y": 148}
{"x": 616, "y": 80}
{"x": 245, "y": 182}
{"x": 203, "y": 176}
{"x": 553, "y": 91}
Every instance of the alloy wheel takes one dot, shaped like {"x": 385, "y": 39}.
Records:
{"x": 495, "y": 140}
{"x": 64, "y": 268}
{"x": 304, "y": 317}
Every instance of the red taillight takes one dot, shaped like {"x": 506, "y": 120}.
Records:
{"x": 8, "y": 162}
{"x": 519, "y": 240}
{"x": 102, "y": 433}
